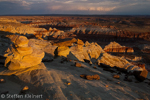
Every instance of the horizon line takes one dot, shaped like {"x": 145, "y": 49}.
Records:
{"x": 75, "y": 15}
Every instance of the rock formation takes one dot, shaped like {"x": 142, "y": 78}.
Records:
{"x": 114, "y": 61}
{"x": 44, "y": 46}
{"x": 115, "y": 47}
{"x": 21, "y": 55}
{"x": 63, "y": 51}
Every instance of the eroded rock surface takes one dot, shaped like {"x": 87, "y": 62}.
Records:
{"x": 20, "y": 55}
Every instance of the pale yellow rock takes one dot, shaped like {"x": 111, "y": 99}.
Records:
{"x": 78, "y": 54}
{"x": 87, "y": 43}
{"x": 24, "y": 50}
{"x": 25, "y": 88}
{"x": 38, "y": 53}
{"x": 30, "y": 60}
{"x": 50, "y": 29}
{"x": 112, "y": 45}
{"x": 94, "y": 50}
{"x": 7, "y": 60}
{"x": 14, "y": 66}
{"x": 79, "y": 47}
{"x": 119, "y": 62}
{"x": 63, "y": 51}
{"x": 130, "y": 50}
{"x": 80, "y": 42}
{"x": 15, "y": 54}
{"x": 21, "y": 41}
{"x": 81, "y": 53}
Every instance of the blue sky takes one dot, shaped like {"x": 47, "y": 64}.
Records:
{"x": 119, "y": 7}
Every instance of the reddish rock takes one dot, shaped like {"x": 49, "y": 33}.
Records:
{"x": 106, "y": 86}
{"x": 142, "y": 66}
{"x": 78, "y": 64}
{"x": 116, "y": 76}
{"x": 95, "y": 67}
{"x": 96, "y": 77}
{"x": 83, "y": 76}
{"x": 2, "y": 81}
{"x": 120, "y": 49}
{"x": 141, "y": 75}
{"x": 89, "y": 77}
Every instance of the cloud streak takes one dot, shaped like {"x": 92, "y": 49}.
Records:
{"x": 74, "y": 7}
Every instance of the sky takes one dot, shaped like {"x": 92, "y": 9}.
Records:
{"x": 87, "y": 7}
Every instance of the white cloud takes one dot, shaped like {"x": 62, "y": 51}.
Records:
{"x": 25, "y": 3}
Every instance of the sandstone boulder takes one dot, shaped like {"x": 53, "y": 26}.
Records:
{"x": 90, "y": 77}
{"x": 78, "y": 64}
{"x": 77, "y": 52}
{"x": 116, "y": 76}
{"x": 63, "y": 51}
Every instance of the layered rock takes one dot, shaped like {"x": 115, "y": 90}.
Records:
{"x": 78, "y": 52}
{"x": 20, "y": 55}
{"x": 94, "y": 50}
{"x": 44, "y": 46}
{"x": 116, "y": 47}
{"x": 114, "y": 61}
{"x": 87, "y": 52}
